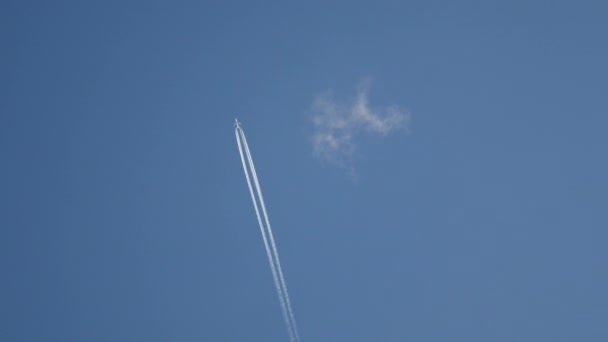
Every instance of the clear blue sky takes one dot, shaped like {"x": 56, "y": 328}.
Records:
{"x": 124, "y": 213}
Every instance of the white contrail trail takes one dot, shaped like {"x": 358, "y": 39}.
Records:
{"x": 268, "y": 250}
{"x": 271, "y": 235}
{"x": 287, "y": 315}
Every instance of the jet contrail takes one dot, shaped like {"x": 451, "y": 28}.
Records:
{"x": 271, "y": 250}
{"x": 271, "y": 235}
{"x": 268, "y": 251}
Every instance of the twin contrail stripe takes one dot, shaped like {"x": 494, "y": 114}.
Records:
{"x": 271, "y": 235}
{"x": 268, "y": 250}
{"x": 265, "y": 228}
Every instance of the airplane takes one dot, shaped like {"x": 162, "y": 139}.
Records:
{"x": 237, "y": 124}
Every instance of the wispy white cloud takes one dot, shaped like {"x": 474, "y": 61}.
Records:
{"x": 337, "y": 126}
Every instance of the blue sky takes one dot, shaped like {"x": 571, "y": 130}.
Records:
{"x": 124, "y": 213}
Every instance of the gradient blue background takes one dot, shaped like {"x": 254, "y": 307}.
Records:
{"x": 124, "y": 213}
